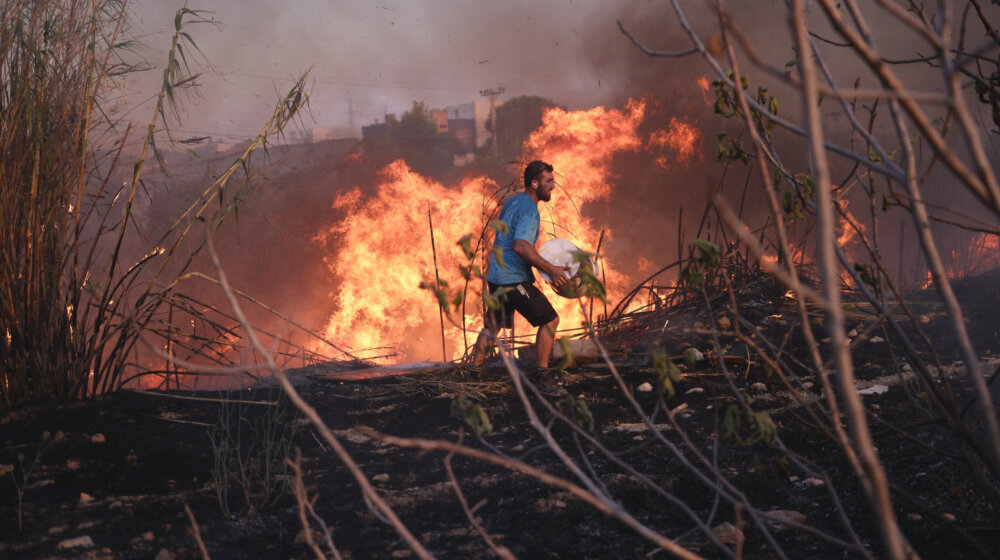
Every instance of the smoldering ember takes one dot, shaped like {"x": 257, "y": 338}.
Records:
{"x": 246, "y": 265}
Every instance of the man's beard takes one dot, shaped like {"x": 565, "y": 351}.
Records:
{"x": 545, "y": 196}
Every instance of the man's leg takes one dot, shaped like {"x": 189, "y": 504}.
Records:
{"x": 543, "y": 341}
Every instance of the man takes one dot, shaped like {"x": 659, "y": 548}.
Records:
{"x": 517, "y": 245}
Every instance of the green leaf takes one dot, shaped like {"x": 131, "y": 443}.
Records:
{"x": 473, "y": 415}
{"x": 693, "y": 278}
{"x": 710, "y": 255}
{"x": 721, "y": 107}
{"x": 773, "y": 106}
{"x": 493, "y": 301}
{"x": 439, "y": 293}
{"x": 666, "y": 371}
{"x": 791, "y": 206}
{"x": 807, "y": 187}
{"x": 691, "y": 356}
{"x": 791, "y": 63}
{"x": 466, "y": 244}
{"x": 498, "y": 256}
{"x": 500, "y": 225}
{"x": 723, "y": 154}
{"x": 580, "y": 412}
{"x": 731, "y": 423}
{"x": 442, "y": 297}
{"x": 767, "y": 430}
{"x": 567, "y": 349}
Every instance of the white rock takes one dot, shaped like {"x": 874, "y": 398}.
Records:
{"x": 645, "y": 388}
{"x": 694, "y": 390}
{"x": 58, "y": 530}
{"x": 77, "y": 542}
{"x": 402, "y": 553}
{"x": 853, "y": 333}
{"x": 85, "y": 498}
{"x": 874, "y": 390}
{"x": 914, "y": 517}
{"x": 876, "y": 339}
{"x": 948, "y": 516}
{"x": 692, "y": 355}
{"x": 98, "y": 438}
{"x": 381, "y": 478}
{"x": 758, "y": 387}
{"x": 813, "y": 481}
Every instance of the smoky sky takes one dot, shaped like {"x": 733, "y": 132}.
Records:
{"x": 367, "y": 59}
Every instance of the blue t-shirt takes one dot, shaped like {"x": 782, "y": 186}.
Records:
{"x": 521, "y": 214}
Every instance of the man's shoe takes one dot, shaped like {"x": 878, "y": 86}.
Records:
{"x": 547, "y": 382}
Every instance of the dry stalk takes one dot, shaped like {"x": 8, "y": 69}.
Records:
{"x": 196, "y": 533}
{"x": 307, "y": 511}
{"x": 873, "y": 476}
{"x": 501, "y": 551}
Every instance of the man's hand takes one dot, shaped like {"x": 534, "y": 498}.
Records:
{"x": 559, "y": 275}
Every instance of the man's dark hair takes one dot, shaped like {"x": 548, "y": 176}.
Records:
{"x": 533, "y": 170}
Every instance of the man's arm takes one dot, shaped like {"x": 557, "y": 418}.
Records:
{"x": 529, "y": 255}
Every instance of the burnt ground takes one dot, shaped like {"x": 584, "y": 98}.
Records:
{"x": 120, "y": 469}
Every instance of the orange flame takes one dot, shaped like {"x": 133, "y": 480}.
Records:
{"x": 385, "y": 253}
{"x": 704, "y": 87}
{"x": 682, "y": 137}
{"x": 384, "y": 246}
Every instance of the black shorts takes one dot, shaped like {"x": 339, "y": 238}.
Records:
{"x": 526, "y": 299}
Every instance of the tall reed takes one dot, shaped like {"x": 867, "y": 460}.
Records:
{"x": 74, "y": 304}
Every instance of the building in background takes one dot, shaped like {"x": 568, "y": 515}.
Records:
{"x": 465, "y": 122}
{"x": 440, "y": 118}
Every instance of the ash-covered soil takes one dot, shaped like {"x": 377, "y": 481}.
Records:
{"x": 112, "y": 477}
